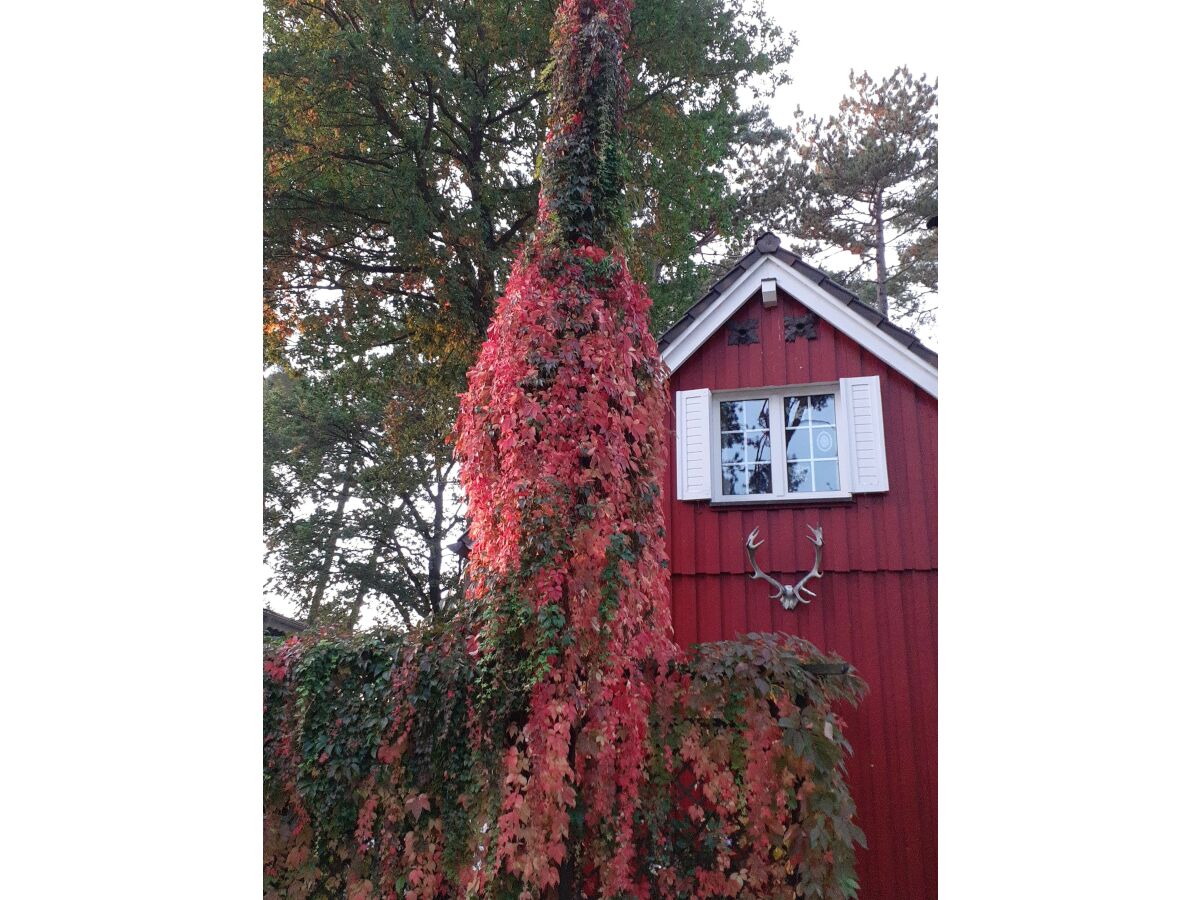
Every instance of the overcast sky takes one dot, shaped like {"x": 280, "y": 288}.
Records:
{"x": 833, "y": 38}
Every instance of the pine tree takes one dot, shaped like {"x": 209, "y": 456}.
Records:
{"x": 869, "y": 185}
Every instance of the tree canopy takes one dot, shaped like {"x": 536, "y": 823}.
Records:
{"x": 400, "y": 150}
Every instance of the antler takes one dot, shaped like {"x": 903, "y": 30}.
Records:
{"x": 788, "y": 595}
{"x": 818, "y": 539}
{"x": 751, "y": 546}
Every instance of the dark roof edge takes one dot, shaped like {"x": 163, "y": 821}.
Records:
{"x": 280, "y": 622}
{"x": 768, "y": 244}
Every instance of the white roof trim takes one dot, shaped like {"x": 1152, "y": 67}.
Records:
{"x": 821, "y": 302}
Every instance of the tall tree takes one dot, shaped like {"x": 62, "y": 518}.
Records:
{"x": 563, "y": 456}
{"x": 868, "y": 186}
{"x": 310, "y": 461}
{"x": 400, "y": 147}
{"x": 359, "y": 492}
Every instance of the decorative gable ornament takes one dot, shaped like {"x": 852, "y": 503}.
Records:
{"x": 742, "y": 332}
{"x": 799, "y": 327}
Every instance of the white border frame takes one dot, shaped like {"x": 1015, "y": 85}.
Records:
{"x": 774, "y": 396}
{"x": 819, "y": 301}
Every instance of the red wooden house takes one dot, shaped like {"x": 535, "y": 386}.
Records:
{"x": 796, "y": 404}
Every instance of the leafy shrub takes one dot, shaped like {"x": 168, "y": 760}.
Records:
{"x": 385, "y": 755}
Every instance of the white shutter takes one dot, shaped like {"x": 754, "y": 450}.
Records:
{"x": 862, "y": 409}
{"x": 692, "y": 444}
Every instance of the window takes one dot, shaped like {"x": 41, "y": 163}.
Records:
{"x": 810, "y": 429}
{"x": 801, "y": 423}
{"x": 745, "y": 446}
{"x": 800, "y": 442}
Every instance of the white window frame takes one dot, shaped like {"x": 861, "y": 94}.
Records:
{"x": 774, "y": 396}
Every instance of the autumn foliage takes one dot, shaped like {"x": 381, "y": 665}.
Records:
{"x": 562, "y": 455}
{"x": 552, "y": 739}
{"x": 389, "y": 772}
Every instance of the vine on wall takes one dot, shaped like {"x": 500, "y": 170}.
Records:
{"x": 386, "y": 758}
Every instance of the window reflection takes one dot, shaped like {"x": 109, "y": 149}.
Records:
{"x": 810, "y": 429}
{"x": 810, "y": 444}
{"x": 745, "y": 447}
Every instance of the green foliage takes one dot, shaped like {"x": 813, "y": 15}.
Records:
{"x": 400, "y": 143}
{"x": 358, "y": 502}
{"x": 584, "y": 168}
{"x": 869, "y": 183}
{"x": 707, "y": 171}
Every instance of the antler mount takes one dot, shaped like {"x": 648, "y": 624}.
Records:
{"x": 787, "y": 594}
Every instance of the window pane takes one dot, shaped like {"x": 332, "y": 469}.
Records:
{"x": 733, "y": 448}
{"x": 825, "y": 475}
{"x": 798, "y": 479}
{"x": 732, "y": 418}
{"x": 757, "y": 414}
{"x": 760, "y": 479}
{"x": 795, "y": 411}
{"x": 733, "y": 480}
{"x": 793, "y": 407}
{"x": 758, "y": 446}
{"x": 824, "y": 442}
{"x": 798, "y": 446}
{"x": 821, "y": 409}
{"x": 812, "y": 448}
{"x": 745, "y": 447}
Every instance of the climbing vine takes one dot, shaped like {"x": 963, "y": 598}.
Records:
{"x": 562, "y": 452}
{"x": 386, "y": 757}
{"x": 552, "y": 739}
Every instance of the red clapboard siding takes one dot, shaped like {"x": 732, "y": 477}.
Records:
{"x": 876, "y": 605}
{"x": 892, "y": 531}
{"x": 884, "y": 623}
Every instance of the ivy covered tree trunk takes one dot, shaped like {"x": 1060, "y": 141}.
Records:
{"x": 562, "y": 455}
{"x": 549, "y": 739}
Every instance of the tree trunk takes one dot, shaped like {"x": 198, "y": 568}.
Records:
{"x": 361, "y": 594}
{"x": 335, "y": 528}
{"x": 567, "y": 875}
{"x": 653, "y": 270}
{"x": 435, "y": 549}
{"x": 880, "y": 257}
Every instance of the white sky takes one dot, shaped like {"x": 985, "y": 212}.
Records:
{"x": 832, "y": 39}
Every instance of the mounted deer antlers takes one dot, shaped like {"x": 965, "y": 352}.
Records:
{"x": 788, "y": 595}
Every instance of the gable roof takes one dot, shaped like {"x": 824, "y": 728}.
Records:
{"x": 815, "y": 289}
